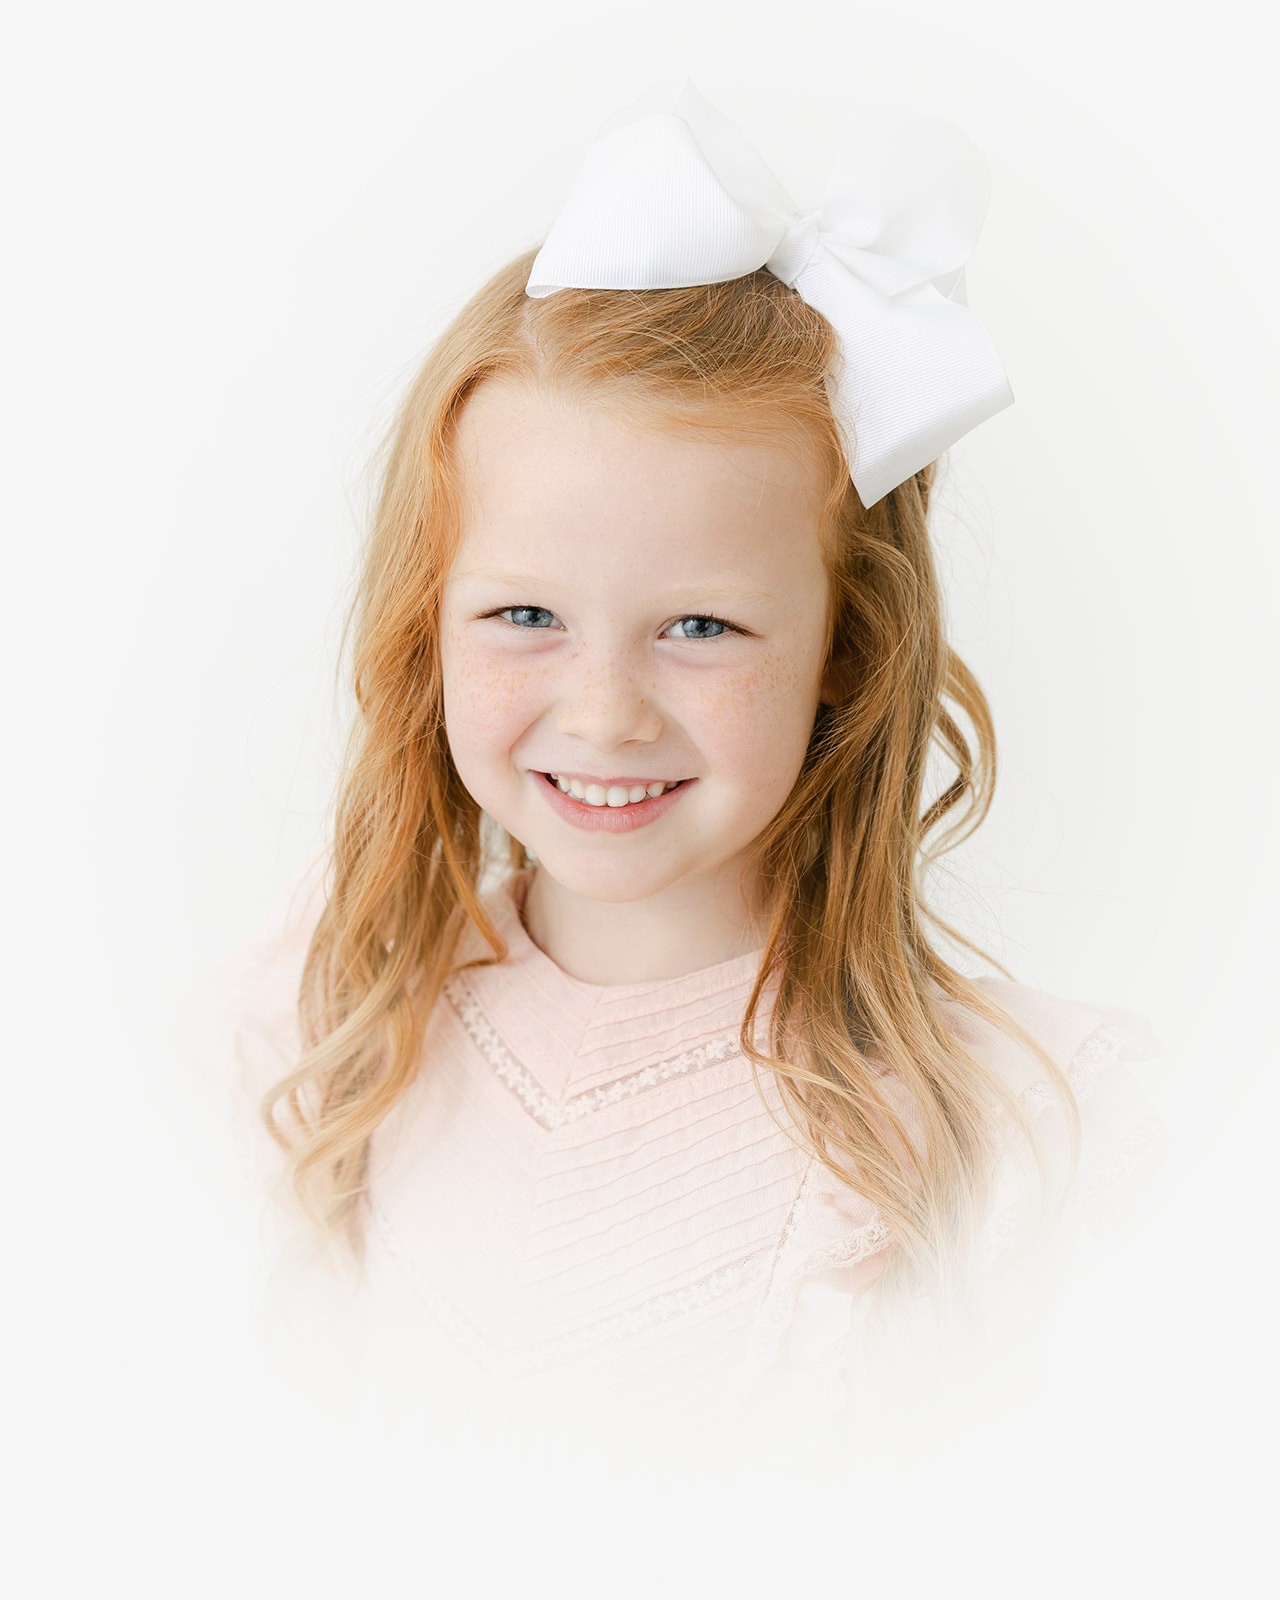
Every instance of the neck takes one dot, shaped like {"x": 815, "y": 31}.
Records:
{"x": 682, "y": 929}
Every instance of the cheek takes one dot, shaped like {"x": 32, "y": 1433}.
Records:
{"x": 761, "y": 718}
{"x": 489, "y": 698}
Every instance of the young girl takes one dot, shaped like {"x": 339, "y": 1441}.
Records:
{"x": 614, "y": 1048}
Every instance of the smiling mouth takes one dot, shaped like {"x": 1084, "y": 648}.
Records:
{"x": 615, "y": 796}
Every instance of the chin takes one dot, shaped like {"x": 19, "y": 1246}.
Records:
{"x": 609, "y": 882}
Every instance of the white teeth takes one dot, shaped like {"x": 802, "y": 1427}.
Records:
{"x": 614, "y": 794}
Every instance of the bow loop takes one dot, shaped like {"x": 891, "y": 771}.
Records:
{"x": 911, "y": 189}
{"x": 649, "y": 212}
{"x": 672, "y": 194}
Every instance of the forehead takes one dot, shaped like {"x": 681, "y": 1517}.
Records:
{"x": 547, "y": 479}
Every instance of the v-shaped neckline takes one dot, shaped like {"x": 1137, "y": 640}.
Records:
{"x": 575, "y": 1037}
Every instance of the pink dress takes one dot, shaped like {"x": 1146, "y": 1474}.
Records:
{"x": 584, "y": 1200}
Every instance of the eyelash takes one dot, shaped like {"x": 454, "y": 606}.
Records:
{"x": 707, "y": 616}
{"x": 691, "y": 616}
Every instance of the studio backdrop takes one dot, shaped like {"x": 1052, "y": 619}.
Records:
{"x": 236, "y": 229}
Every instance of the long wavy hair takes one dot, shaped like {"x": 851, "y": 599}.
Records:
{"x": 875, "y": 1081}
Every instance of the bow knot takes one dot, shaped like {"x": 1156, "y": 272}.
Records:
{"x": 795, "y": 249}
{"x": 671, "y": 194}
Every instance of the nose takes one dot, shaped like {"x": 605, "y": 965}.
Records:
{"x": 606, "y": 702}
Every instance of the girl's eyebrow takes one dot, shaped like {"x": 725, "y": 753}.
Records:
{"x": 732, "y": 594}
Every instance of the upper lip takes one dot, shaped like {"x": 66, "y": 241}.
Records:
{"x": 586, "y": 778}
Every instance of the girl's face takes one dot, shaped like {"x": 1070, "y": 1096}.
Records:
{"x": 637, "y": 618}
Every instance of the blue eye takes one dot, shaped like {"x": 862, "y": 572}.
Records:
{"x": 529, "y": 616}
{"x": 697, "y": 628}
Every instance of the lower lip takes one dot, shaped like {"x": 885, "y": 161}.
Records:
{"x": 610, "y": 819}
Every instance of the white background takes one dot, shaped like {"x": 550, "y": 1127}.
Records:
{"x": 233, "y": 231}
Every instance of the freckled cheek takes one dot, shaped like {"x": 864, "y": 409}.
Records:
{"x": 762, "y": 714}
{"x": 490, "y": 699}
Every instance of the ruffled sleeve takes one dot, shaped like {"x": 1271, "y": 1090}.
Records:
{"x": 240, "y": 1034}
{"x": 1094, "y": 1047}
{"x": 835, "y": 1244}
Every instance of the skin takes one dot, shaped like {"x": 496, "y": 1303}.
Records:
{"x": 608, "y": 537}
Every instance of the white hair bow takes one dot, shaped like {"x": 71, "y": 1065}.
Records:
{"x": 671, "y": 194}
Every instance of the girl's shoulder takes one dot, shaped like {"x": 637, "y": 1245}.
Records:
{"x": 1082, "y": 1039}
{"x": 1096, "y": 1141}
{"x": 1093, "y": 1047}
{"x": 835, "y": 1246}
{"x": 240, "y": 1032}
{"x": 1098, "y": 1049}
{"x": 1069, "y": 1065}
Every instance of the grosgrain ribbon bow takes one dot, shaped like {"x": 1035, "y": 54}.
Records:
{"x": 671, "y": 194}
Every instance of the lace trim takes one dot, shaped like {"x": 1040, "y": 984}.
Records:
{"x": 1107, "y": 1187}
{"x": 1097, "y": 1193}
{"x": 1106, "y": 1046}
{"x": 545, "y": 1111}
{"x": 998, "y": 1235}
{"x": 527, "y": 1360}
{"x": 771, "y": 1323}
{"x": 790, "y": 1225}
